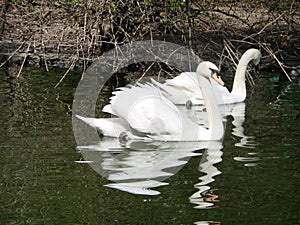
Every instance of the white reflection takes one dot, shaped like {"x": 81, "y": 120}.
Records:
{"x": 140, "y": 165}
{"x": 206, "y": 197}
{"x": 207, "y": 223}
{"x": 238, "y": 114}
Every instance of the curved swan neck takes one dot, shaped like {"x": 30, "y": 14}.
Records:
{"x": 239, "y": 83}
{"x": 216, "y": 128}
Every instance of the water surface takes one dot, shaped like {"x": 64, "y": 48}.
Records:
{"x": 252, "y": 177}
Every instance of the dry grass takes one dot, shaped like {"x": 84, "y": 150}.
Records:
{"x": 48, "y": 33}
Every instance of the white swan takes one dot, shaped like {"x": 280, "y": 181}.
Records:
{"x": 143, "y": 112}
{"x": 185, "y": 87}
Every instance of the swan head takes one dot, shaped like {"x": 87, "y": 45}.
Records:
{"x": 255, "y": 55}
{"x": 208, "y": 69}
{"x": 256, "y": 59}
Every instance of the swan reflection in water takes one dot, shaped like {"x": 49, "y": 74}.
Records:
{"x": 140, "y": 165}
{"x": 205, "y": 197}
{"x": 237, "y": 111}
{"x": 248, "y": 142}
{"x": 207, "y": 223}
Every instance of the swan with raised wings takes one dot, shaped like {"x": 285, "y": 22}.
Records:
{"x": 185, "y": 87}
{"x": 144, "y": 112}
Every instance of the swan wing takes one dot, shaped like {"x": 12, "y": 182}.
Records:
{"x": 147, "y": 110}
{"x": 187, "y": 81}
{"x": 177, "y": 95}
{"x": 182, "y": 88}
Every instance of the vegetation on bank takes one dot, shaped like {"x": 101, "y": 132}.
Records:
{"x": 78, "y": 31}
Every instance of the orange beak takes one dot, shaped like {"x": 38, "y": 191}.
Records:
{"x": 218, "y": 79}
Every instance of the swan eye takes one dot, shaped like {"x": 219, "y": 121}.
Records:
{"x": 216, "y": 75}
{"x": 215, "y": 71}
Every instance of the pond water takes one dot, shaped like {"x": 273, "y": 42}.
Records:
{"x": 251, "y": 177}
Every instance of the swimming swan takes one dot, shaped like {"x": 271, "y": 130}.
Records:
{"x": 144, "y": 112}
{"x": 185, "y": 87}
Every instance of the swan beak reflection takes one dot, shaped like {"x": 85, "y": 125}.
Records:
{"x": 217, "y": 77}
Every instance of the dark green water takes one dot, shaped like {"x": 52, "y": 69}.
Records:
{"x": 41, "y": 183}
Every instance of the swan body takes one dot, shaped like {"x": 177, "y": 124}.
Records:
{"x": 186, "y": 86}
{"x": 144, "y": 112}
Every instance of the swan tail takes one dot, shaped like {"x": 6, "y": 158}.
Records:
{"x": 110, "y": 127}
{"x": 107, "y": 109}
{"x": 88, "y": 120}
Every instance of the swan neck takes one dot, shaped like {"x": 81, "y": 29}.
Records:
{"x": 239, "y": 83}
{"x": 216, "y": 128}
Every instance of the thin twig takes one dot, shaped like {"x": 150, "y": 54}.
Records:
{"x": 233, "y": 54}
{"x": 146, "y": 71}
{"x": 65, "y": 74}
{"x": 277, "y": 60}
{"x": 12, "y": 54}
{"x": 265, "y": 27}
{"x": 25, "y": 57}
{"x": 45, "y": 61}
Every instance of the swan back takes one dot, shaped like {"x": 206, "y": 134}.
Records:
{"x": 146, "y": 110}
